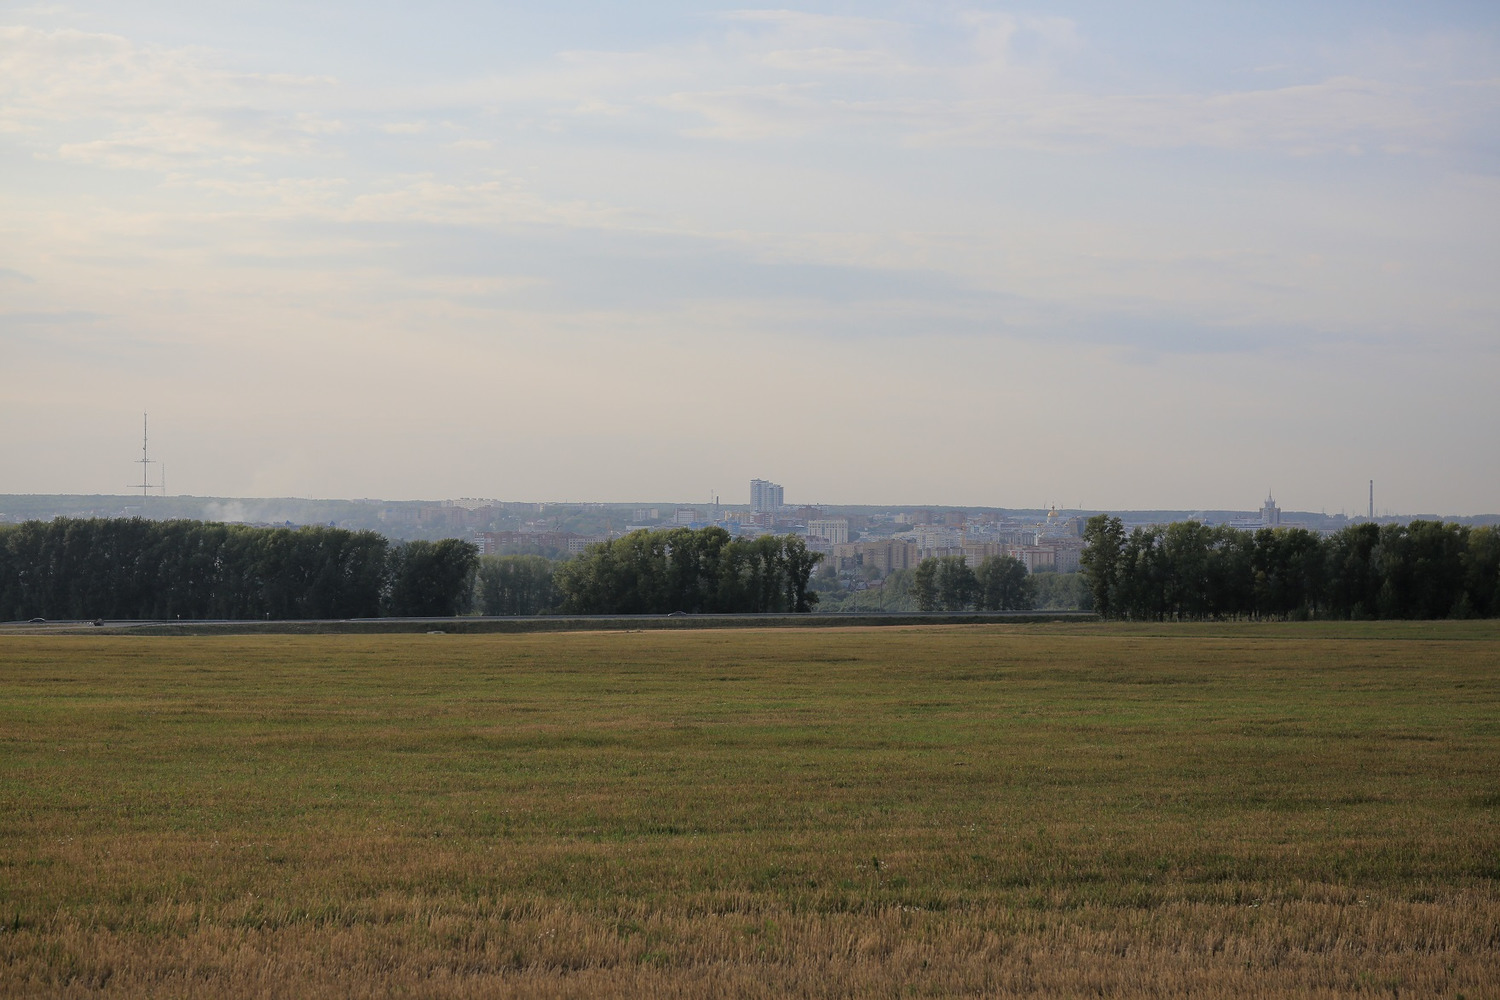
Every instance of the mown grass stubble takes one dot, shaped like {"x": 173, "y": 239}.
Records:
{"x": 1053, "y": 810}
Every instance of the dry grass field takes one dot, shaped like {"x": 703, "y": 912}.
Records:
{"x": 1048, "y": 810}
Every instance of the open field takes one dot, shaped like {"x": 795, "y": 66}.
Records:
{"x": 1048, "y": 810}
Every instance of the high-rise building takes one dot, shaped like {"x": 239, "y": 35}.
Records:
{"x": 766, "y": 497}
{"x": 1270, "y": 514}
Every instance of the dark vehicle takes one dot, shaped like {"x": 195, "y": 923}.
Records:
{"x": 36, "y": 621}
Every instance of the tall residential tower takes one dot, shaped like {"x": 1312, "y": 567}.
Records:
{"x": 765, "y": 497}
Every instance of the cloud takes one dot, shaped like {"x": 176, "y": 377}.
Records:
{"x": 997, "y": 81}
{"x": 497, "y": 201}
{"x": 619, "y": 136}
{"x": 986, "y": 81}
{"x": 143, "y": 108}
{"x": 177, "y": 141}
{"x": 964, "y": 218}
{"x": 53, "y": 317}
{"x": 567, "y": 270}
{"x": 751, "y": 113}
{"x": 1340, "y": 115}
{"x": 68, "y": 73}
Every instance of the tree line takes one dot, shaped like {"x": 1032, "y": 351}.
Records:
{"x": 1187, "y": 570}
{"x": 948, "y": 583}
{"x": 703, "y": 571}
{"x": 655, "y": 572}
{"x": 140, "y": 569}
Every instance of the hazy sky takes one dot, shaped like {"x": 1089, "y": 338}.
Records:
{"x": 1099, "y": 254}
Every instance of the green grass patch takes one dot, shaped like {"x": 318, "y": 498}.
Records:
{"x": 1043, "y": 809}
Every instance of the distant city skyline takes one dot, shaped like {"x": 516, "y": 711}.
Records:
{"x": 1267, "y": 514}
{"x": 764, "y": 495}
{"x": 1136, "y": 257}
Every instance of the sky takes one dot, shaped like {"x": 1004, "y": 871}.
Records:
{"x": 1108, "y": 256}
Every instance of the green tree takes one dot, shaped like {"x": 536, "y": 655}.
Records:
{"x": 1185, "y": 549}
{"x": 1352, "y": 572}
{"x": 704, "y": 571}
{"x": 764, "y": 582}
{"x": 1051, "y": 591}
{"x": 895, "y": 593}
{"x": 134, "y": 568}
{"x": 432, "y": 579}
{"x": 924, "y": 584}
{"x": 694, "y": 564}
{"x": 516, "y": 585}
{"x": 1481, "y": 562}
{"x": 798, "y": 563}
{"x": 1140, "y": 577}
{"x": 1004, "y": 585}
{"x": 1229, "y": 585}
{"x": 1104, "y": 542}
{"x": 956, "y": 585}
{"x": 1436, "y": 551}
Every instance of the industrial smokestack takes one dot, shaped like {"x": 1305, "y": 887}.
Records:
{"x": 1372, "y": 499}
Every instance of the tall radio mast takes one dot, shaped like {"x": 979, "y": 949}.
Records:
{"x": 146, "y": 485}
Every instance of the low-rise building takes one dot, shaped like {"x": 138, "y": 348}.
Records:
{"x": 884, "y": 555}
{"x": 835, "y": 530}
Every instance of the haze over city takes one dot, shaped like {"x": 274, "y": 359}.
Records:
{"x": 1169, "y": 257}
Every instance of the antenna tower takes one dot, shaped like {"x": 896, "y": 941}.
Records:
{"x": 146, "y": 485}
{"x": 1372, "y": 499}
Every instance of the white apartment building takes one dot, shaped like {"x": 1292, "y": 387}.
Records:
{"x": 766, "y": 497}
{"x": 835, "y": 530}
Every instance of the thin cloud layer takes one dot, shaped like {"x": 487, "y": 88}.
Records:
{"x": 766, "y": 74}
{"x": 860, "y": 207}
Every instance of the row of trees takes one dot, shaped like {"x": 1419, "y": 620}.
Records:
{"x": 697, "y": 572}
{"x": 516, "y": 585}
{"x": 134, "y": 569}
{"x": 140, "y": 569}
{"x": 950, "y": 584}
{"x": 1425, "y": 569}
